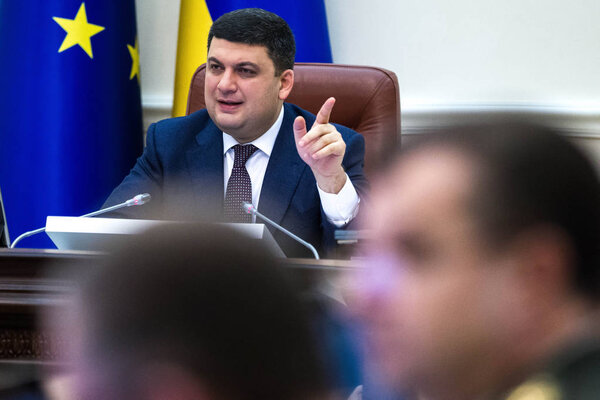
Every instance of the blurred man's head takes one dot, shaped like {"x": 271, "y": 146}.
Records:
{"x": 249, "y": 71}
{"x": 485, "y": 251}
{"x": 192, "y": 313}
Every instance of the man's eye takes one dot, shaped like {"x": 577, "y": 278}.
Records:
{"x": 417, "y": 250}
{"x": 247, "y": 72}
{"x": 215, "y": 67}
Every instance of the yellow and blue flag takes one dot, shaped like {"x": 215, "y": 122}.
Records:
{"x": 70, "y": 109}
{"x": 307, "y": 19}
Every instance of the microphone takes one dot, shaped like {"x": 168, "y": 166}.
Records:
{"x": 138, "y": 200}
{"x": 249, "y": 208}
{"x": 135, "y": 201}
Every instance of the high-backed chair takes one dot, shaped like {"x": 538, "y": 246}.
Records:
{"x": 367, "y": 100}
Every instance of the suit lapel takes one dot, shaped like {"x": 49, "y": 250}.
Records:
{"x": 283, "y": 171}
{"x": 205, "y": 163}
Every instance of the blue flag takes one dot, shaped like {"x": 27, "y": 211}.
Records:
{"x": 307, "y": 19}
{"x": 70, "y": 110}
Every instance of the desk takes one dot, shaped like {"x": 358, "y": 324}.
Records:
{"x": 29, "y": 284}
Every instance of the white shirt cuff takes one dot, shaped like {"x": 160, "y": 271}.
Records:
{"x": 340, "y": 208}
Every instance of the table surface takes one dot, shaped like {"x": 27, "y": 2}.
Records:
{"x": 33, "y": 280}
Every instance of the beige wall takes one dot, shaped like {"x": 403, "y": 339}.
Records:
{"x": 454, "y": 59}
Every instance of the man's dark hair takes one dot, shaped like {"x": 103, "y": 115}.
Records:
{"x": 210, "y": 301}
{"x": 255, "y": 26}
{"x": 530, "y": 176}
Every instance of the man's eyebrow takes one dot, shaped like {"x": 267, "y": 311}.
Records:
{"x": 247, "y": 64}
{"x": 213, "y": 59}
{"x": 242, "y": 64}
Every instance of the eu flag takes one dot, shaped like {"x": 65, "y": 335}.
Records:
{"x": 70, "y": 109}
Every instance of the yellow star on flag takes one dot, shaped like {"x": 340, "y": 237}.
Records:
{"x": 79, "y": 31}
{"x": 135, "y": 60}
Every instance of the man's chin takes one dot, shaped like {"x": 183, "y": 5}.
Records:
{"x": 228, "y": 123}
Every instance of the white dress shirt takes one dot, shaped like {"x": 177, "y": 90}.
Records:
{"x": 339, "y": 208}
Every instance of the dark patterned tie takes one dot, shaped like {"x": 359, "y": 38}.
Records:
{"x": 239, "y": 187}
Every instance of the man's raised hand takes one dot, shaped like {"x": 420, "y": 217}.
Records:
{"x": 322, "y": 148}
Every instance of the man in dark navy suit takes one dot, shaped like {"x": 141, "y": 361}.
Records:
{"x": 296, "y": 168}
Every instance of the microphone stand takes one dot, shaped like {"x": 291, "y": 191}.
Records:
{"x": 135, "y": 201}
{"x": 249, "y": 208}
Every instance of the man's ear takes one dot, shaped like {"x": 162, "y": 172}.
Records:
{"x": 547, "y": 264}
{"x": 286, "y": 80}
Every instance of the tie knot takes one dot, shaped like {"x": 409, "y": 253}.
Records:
{"x": 242, "y": 154}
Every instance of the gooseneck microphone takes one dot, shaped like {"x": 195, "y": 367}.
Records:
{"x": 138, "y": 200}
{"x": 249, "y": 208}
{"x": 135, "y": 201}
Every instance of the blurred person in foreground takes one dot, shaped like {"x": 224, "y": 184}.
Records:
{"x": 191, "y": 313}
{"x": 482, "y": 278}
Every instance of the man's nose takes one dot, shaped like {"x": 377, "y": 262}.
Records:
{"x": 227, "y": 83}
{"x": 374, "y": 286}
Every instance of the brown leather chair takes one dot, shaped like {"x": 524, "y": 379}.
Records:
{"x": 368, "y": 101}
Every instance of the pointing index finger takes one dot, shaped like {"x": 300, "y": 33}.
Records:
{"x": 325, "y": 111}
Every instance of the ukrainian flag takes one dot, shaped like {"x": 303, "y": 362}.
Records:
{"x": 307, "y": 19}
{"x": 70, "y": 108}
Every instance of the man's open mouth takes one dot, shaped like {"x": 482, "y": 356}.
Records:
{"x": 229, "y": 102}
